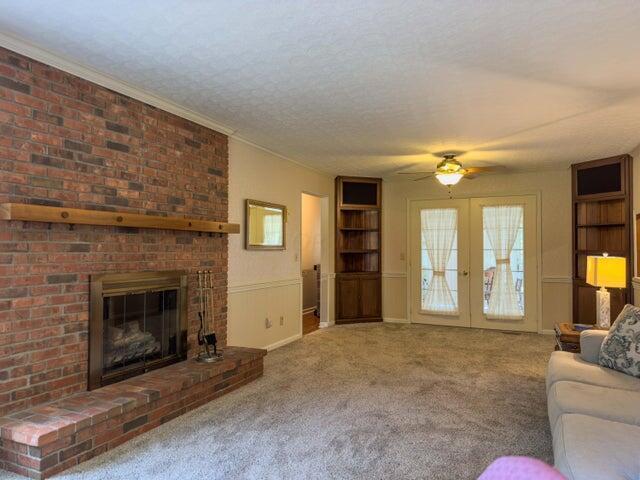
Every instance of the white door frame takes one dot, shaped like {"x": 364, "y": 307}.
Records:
{"x": 538, "y": 196}
{"x": 325, "y": 259}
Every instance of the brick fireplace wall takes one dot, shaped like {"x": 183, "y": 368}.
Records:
{"x": 67, "y": 142}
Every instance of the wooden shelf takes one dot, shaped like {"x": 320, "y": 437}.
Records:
{"x": 612, "y": 224}
{"x": 358, "y": 229}
{"x": 607, "y": 198}
{"x": 75, "y": 216}
{"x": 618, "y": 253}
{"x": 371, "y": 250}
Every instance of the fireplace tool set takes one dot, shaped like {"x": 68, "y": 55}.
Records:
{"x": 206, "y": 336}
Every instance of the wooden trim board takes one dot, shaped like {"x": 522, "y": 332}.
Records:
{"x": 39, "y": 213}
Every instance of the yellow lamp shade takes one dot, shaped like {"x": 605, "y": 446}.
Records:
{"x": 607, "y": 271}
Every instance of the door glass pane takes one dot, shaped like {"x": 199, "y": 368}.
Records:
{"x": 439, "y": 254}
{"x": 503, "y": 259}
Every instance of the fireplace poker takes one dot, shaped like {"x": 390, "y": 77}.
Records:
{"x": 210, "y": 338}
{"x": 202, "y": 316}
{"x": 205, "y": 285}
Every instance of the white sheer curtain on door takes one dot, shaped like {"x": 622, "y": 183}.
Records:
{"x": 501, "y": 224}
{"x": 439, "y": 227}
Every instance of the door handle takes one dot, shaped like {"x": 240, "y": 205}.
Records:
{"x": 464, "y": 273}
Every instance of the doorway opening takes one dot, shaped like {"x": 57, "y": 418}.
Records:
{"x": 310, "y": 260}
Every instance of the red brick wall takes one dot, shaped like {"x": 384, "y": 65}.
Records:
{"x": 65, "y": 141}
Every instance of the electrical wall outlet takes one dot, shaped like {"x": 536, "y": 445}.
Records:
{"x": 281, "y": 320}
{"x": 267, "y": 323}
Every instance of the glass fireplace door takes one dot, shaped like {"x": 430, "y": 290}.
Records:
{"x": 138, "y": 328}
{"x": 138, "y": 322}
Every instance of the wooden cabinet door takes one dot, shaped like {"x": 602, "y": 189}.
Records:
{"x": 347, "y": 296}
{"x": 370, "y": 297}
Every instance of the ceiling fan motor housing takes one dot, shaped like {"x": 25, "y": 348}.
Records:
{"x": 449, "y": 165}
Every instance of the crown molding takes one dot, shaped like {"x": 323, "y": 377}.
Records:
{"x": 28, "y": 49}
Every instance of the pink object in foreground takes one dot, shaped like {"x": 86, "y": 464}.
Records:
{"x": 520, "y": 468}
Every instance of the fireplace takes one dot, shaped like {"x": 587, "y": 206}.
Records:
{"x": 138, "y": 322}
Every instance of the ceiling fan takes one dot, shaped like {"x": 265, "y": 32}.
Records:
{"x": 450, "y": 171}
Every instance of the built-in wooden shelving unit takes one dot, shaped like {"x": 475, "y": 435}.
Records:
{"x": 358, "y": 249}
{"x": 76, "y": 216}
{"x": 601, "y": 223}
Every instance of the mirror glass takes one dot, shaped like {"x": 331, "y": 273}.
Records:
{"x": 265, "y": 225}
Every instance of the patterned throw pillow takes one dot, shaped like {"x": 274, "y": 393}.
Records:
{"x": 621, "y": 347}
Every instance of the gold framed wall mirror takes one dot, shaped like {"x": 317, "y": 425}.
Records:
{"x": 265, "y": 225}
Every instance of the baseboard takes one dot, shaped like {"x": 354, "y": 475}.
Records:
{"x": 547, "y": 331}
{"x": 396, "y": 320}
{"x": 284, "y": 342}
{"x": 325, "y": 324}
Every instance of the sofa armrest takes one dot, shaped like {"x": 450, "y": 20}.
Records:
{"x": 590, "y": 343}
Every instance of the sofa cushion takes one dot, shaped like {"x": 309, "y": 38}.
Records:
{"x": 570, "y": 366}
{"x": 589, "y": 448}
{"x": 620, "y": 350}
{"x": 591, "y": 343}
{"x": 602, "y": 402}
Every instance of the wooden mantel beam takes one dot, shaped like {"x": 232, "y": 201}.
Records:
{"x": 76, "y": 216}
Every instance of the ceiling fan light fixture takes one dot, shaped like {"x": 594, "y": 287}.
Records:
{"x": 449, "y": 178}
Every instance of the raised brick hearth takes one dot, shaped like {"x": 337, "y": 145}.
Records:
{"x": 45, "y": 440}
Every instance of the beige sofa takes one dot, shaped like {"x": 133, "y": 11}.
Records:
{"x": 594, "y": 414}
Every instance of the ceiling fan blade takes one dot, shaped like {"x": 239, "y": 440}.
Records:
{"x": 473, "y": 170}
{"x": 422, "y": 178}
{"x": 412, "y": 173}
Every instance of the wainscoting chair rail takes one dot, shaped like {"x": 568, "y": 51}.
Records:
{"x": 72, "y": 216}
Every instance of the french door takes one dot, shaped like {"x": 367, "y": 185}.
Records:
{"x": 473, "y": 262}
{"x": 440, "y": 252}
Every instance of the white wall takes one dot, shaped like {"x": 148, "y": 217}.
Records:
{"x": 554, "y": 188}
{"x": 267, "y": 284}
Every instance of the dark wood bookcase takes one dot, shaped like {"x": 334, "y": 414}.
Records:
{"x": 602, "y": 222}
{"x": 358, "y": 249}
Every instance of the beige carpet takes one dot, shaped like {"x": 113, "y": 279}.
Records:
{"x": 363, "y": 401}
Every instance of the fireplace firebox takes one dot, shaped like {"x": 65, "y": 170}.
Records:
{"x": 138, "y": 322}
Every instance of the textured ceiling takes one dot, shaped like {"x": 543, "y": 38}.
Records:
{"x": 373, "y": 87}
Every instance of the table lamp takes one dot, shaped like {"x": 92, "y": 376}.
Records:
{"x": 605, "y": 271}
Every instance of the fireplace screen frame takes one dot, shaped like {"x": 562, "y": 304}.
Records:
{"x": 109, "y": 284}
